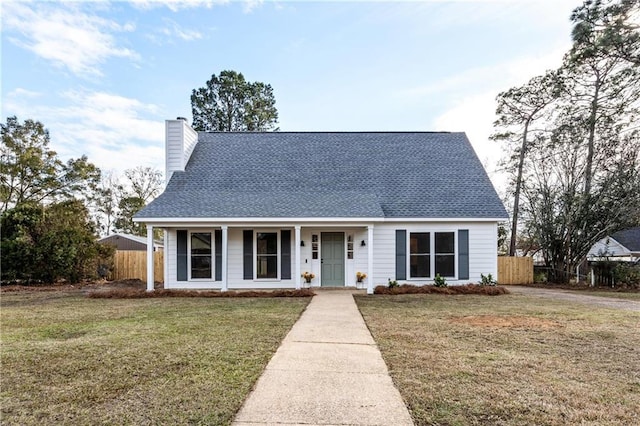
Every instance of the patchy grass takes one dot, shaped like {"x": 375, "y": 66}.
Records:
{"x": 614, "y": 294}
{"x": 510, "y": 360}
{"x": 451, "y": 290}
{"x": 68, "y": 359}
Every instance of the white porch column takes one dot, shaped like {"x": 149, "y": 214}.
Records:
{"x": 297, "y": 268}
{"x": 370, "y": 259}
{"x": 225, "y": 246}
{"x": 150, "y": 277}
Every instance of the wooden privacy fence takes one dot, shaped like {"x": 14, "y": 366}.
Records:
{"x": 515, "y": 270}
{"x": 128, "y": 264}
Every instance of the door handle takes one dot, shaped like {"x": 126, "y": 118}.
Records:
{"x": 321, "y": 260}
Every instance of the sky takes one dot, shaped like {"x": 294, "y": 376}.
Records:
{"x": 103, "y": 76}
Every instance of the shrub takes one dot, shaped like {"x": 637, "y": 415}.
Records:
{"x": 392, "y": 284}
{"x": 627, "y": 275}
{"x": 50, "y": 243}
{"x": 439, "y": 281}
{"x": 487, "y": 280}
{"x": 451, "y": 290}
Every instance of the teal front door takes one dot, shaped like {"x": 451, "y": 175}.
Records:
{"x": 332, "y": 259}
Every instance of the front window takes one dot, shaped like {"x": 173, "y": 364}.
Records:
{"x": 420, "y": 254}
{"x": 267, "y": 255}
{"x": 201, "y": 255}
{"x": 445, "y": 254}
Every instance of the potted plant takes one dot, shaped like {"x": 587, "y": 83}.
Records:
{"x": 360, "y": 276}
{"x": 308, "y": 276}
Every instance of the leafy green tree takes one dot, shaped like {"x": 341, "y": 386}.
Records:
{"x": 229, "y": 103}
{"x": 50, "y": 243}
{"x": 32, "y": 173}
{"x": 127, "y": 208}
{"x": 518, "y": 110}
{"x": 580, "y": 179}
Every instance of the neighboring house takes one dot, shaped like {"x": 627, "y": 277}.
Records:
{"x": 129, "y": 242}
{"x": 256, "y": 210}
{"x": 621, "y": 246}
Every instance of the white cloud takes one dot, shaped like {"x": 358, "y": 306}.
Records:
{"x": 250, "y": 5}
{"x": 172, "y": 29}
{"x": 65, "y": 35}
{"x": 473, "y": 109}
{"x": 115, "y": 132}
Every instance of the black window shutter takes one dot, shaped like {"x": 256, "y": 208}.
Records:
{"x": 401, "y": 254}
{"x": 247, "y": 254}
{"x": 285, "y": 259}
{"x": 218, "y": 245}
{"x": 182, "y": 255}
{"x": 463, "y": 254}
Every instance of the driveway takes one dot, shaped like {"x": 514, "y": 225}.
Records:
{"x": 574, "y": 296}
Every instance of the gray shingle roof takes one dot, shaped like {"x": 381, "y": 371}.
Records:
{"x": 320, "y": 174}
{"x": 630, "y": 238}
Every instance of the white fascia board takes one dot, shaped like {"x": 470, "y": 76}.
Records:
{"x": 443, "y": 219}
{"x": 315, "y": 221}
{"x": 256, "y": 222}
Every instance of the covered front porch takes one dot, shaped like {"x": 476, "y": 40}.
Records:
{"x": 223, "y": 256}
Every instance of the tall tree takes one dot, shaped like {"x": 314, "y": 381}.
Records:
{"x": 127, "y": 208}
{"x": 50, "y": 242}
{"x": 581, "y": 178}
{"x": 229, "y": 103}
{"x": 146, "y": 182}
{"x": 32, "y": 173}
{"x": 518, "y": 109}
{"x": 104, "y": 201}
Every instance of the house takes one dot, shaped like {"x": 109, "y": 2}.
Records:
{"x": 129, "y": 242}
{"x": 621, "y": 246}
{"x": 257, "y": 210}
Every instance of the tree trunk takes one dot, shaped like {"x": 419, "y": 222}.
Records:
{"x": 516, "y": 195}
{"x": 588, "y": 174}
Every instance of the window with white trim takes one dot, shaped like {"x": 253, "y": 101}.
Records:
{"x": 267, "y": 255}
{"x": 445, "y": 254}
{"x": 201, "y": 255}
{"x": 431, "y": 254}
{"x": 420, "y": 255}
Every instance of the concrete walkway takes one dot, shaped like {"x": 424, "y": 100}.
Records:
{"x": 328, "y": 371}
{"x": 578, "y": 297}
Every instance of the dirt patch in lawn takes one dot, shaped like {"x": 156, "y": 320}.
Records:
{"x": 506, "y": 321}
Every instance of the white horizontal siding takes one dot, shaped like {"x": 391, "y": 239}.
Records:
{"x": 482, "y": 255}
{"x": 482, "y": 249}
{"x": 174, "y": 146}
{"x": 170, "y": 258}
{"x": 190, "y": 141}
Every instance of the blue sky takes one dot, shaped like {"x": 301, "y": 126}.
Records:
{"x": 103, "y": 76}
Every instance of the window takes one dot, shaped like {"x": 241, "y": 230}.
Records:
{"x": 420, "y": 255}
{"x": 201, "y": 255}
{"x": 430, "y": 256}
{"x": 445, "y": 254}
{"x": 267, "y": 255}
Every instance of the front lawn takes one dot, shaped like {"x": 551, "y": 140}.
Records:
{"x": 68, "y": 359}
{"x": 508, "y": 360}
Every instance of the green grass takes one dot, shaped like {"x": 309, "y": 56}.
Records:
{"x": 548, "y": 363}
{"x": 67, "y": 359}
